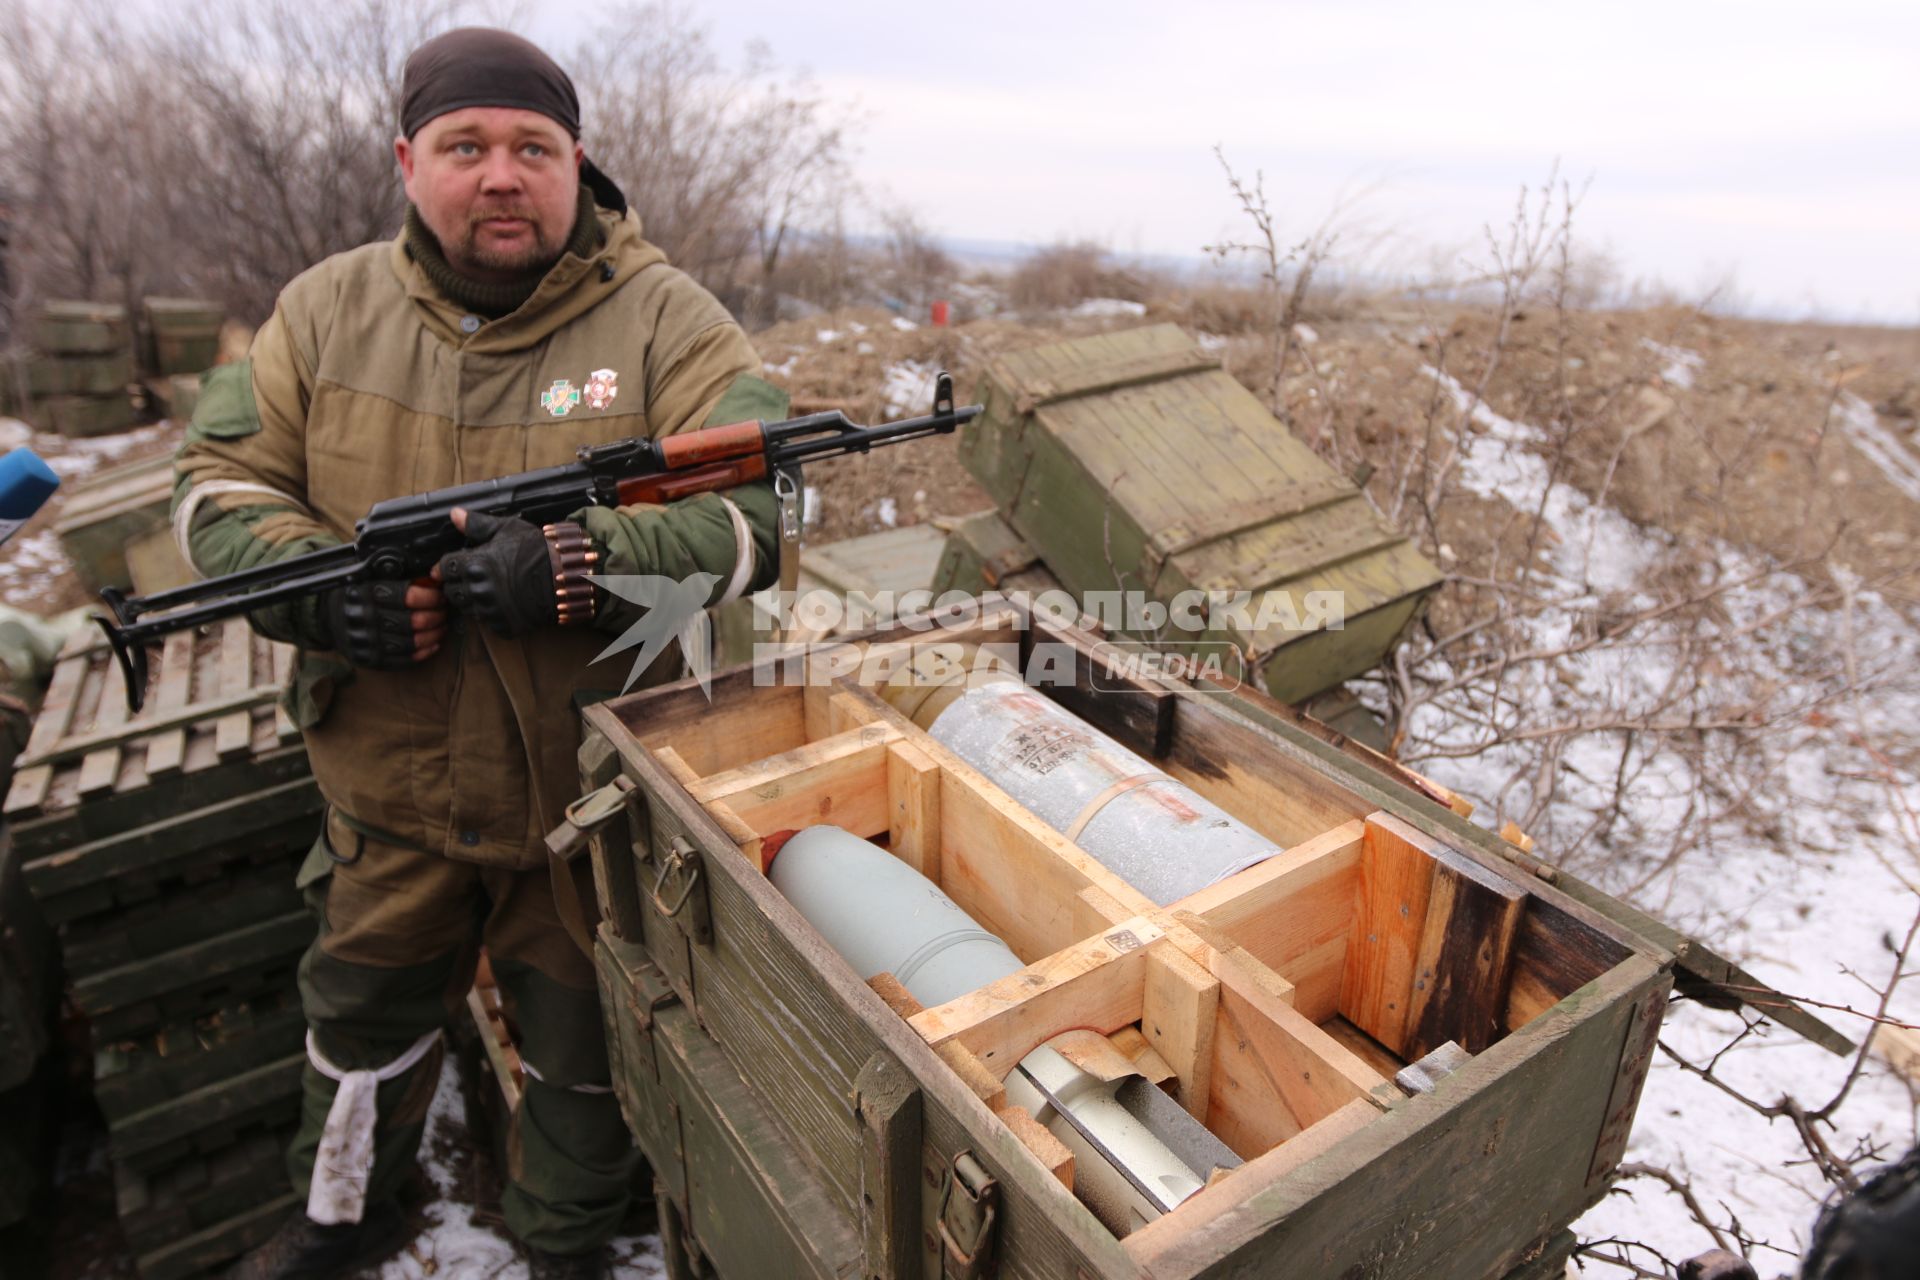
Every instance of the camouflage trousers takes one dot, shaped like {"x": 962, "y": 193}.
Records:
{"x": 399, "y": 935}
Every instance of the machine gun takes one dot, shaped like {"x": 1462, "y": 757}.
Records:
{"x": 403, "y": 538}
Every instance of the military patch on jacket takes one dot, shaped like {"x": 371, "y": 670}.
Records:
{"x": 560, "y": 398}
{"x": 602, "y": 387}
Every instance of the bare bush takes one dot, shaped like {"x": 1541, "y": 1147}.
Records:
{"x": 223, "y": 156}
{"x": 725, "y": 167}
{"x": 914, "y": 269}
{"x": 1065, "y": 275}
{"x": 1651, "y": 655}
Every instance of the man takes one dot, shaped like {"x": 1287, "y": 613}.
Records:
{"x": 518, "y": 316}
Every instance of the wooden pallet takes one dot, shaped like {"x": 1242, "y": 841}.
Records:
{"x": 132, "y": 1076}
{"x": 209, "y": 731}
{"x": 210, "y": 1118}
{"x": 135, "y": 1000}
{"x": 140, "y": 868}
{"x": 204, "y": 1251}
{"x": 158, "y": 1209}
{"x": 204, "y": 896}
{"x": 497, "y": 1042}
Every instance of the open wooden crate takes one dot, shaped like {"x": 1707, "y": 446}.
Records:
{"x": 1277, "y": 1006}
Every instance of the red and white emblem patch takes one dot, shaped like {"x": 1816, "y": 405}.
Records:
{"x": 602, "y": 386}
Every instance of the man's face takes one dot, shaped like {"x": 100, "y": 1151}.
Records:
{"x": 497, "y": 186}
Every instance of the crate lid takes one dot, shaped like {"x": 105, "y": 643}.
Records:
{"x": 213, "y": 703}
{"x": 146, "y": 483}
{"x": 1134, "y": 458}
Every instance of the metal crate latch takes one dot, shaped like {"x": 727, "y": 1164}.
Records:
{"x": 969, "y": 1210}
{"x": 587, "y": 815}
{"x": 680, "y": 893}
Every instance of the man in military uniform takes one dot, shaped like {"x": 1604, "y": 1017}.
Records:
{"x": 517, "y": 317}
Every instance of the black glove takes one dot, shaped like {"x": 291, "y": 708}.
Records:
{"x": 370, "y": 624}
{"x": 506, "y": 579}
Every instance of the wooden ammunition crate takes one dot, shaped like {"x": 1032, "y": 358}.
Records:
{"x": 181, "y": 335}
{"x": 983, "y": 553}
{"x": 79, "y": 416}
{"x": 82, "y": 375}
{"x": 1132, "y": 462}
{"x": 892, "y": 561}
{"x": 771, "y": 1085}
{"x": 104, "y": 517}
{"x": 81, "y": 328}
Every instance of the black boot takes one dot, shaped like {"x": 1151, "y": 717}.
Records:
{"x": 303, "y": 1249}
{"x": 542, "y": 1265}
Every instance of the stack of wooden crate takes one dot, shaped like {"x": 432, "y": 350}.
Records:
{"x": 163, "y": 848}
{"x": 77, "y": 379}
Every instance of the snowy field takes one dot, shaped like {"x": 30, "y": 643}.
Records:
{"x": 1809, "y": 888}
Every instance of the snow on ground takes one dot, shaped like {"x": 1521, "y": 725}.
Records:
{"x": 1102, "y": 307}
{"x": 1681, "y": 365}
{"x": 78, "y": 459}
{"x": 1806, "y": 891}
{"x": 30, "y": 557}
{"x": 453, "y": 1246}
{"x": 908, "y": 386}
{"x": 1871, "y": 437}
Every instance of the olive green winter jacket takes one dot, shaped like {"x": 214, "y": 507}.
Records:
{"x": 367, "y": 384}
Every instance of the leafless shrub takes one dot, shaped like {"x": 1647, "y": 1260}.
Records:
{"x": 223, "y": 156}
{"x": 724, "y": 166}
{"x": 914, "y": 269}
{"x": 1064, "y": 275}
{"x": 1630, "y": 697}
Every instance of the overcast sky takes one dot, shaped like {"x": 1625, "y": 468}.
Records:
{"x": 1776, "y": 142}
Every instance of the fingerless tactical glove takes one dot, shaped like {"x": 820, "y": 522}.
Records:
{"x": 370, "y": 625}
{"x": 506, "y": 577}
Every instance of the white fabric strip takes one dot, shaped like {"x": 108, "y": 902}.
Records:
{"x": 572, "y": 1088}
{"x": 345, "y": 1160}
{"x": 743, "y": 556}
{"x": 199, "y": 493}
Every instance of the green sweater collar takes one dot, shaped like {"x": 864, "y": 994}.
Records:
{"x": 487, "y": 298}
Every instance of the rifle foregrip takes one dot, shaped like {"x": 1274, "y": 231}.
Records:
{"x": 671, "y": 486}
{"x": 713, "y": 444}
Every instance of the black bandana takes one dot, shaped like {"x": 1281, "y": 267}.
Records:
{"x": 482, "y": 67}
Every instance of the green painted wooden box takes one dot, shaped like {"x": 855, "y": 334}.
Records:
{"x": 77, "y": 417}
{"x": 891, "y": 561}
{"x": 110, "y": 512}
{"x": 983, "y": 553}
{"x": 804, "y": 1122}
{"x": 81, "y": 328}
{"x": 1132, "y": 462}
